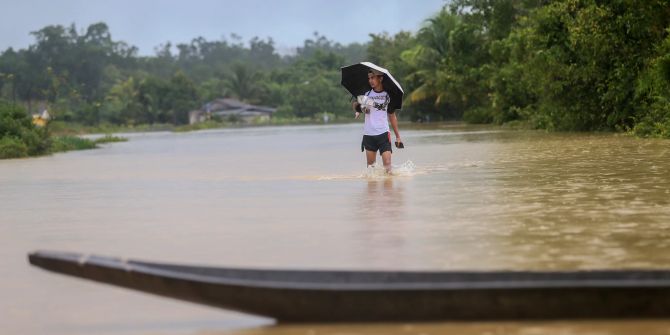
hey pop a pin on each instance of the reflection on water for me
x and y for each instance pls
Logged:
(462, 328)
(301, 197)
(382, 198)
(380, 210)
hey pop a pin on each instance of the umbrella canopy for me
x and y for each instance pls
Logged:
(355, 80)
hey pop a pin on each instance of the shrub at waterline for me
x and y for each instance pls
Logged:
(11, 147)
(18, 136)
(109, 138)
(69, 142)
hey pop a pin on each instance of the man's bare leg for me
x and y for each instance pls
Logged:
(371, 157)
(386, 158)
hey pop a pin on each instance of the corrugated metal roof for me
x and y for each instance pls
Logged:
(228, 106)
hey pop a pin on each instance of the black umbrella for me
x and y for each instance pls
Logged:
(355, 80)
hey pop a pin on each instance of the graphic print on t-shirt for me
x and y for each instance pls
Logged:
(381, 102)
(376, 122)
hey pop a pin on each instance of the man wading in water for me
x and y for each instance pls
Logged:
(376, 134)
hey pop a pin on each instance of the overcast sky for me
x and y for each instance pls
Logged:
(147, 24)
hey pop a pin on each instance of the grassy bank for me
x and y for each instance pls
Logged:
(109, 138)
(65, 128)
(69, 128)
(68, 142)
(14, 148)
(20, 137)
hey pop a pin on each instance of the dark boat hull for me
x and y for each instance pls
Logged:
(369, 296)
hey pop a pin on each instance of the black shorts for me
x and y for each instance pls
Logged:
(381, 143)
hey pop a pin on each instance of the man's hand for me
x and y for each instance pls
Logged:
(398, 143)
(357, 108)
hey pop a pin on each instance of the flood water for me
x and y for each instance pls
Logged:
(301, 198)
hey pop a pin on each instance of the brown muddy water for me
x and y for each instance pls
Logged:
(301, 198)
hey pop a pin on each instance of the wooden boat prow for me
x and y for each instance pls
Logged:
(375, 296)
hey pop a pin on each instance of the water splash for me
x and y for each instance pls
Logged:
(408, 168)
(377, 170)
(405, 169)
(439, 168)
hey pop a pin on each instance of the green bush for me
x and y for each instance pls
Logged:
(110, 139)
(18, 135)
(67, 143)
(478, 115)
(11, 147)
(651, 127)
(284, 111)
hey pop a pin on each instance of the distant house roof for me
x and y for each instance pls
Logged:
(228, 106)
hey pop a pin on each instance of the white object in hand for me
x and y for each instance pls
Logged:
(366, 102)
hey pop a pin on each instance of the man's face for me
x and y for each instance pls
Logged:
(374, 81)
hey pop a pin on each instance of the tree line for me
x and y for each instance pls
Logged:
(584, 65)
(87, 77)
(576, 65)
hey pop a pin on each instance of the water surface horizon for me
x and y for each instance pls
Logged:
(300, 197)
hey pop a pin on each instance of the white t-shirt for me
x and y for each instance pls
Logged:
(377, 121)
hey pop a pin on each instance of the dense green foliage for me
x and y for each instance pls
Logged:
(566, 65)
(90, 79)
(585, 65)
(109, 138)
(68, 143)
(18, 136)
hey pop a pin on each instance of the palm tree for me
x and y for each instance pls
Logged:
(242, 83)
(431, 58)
